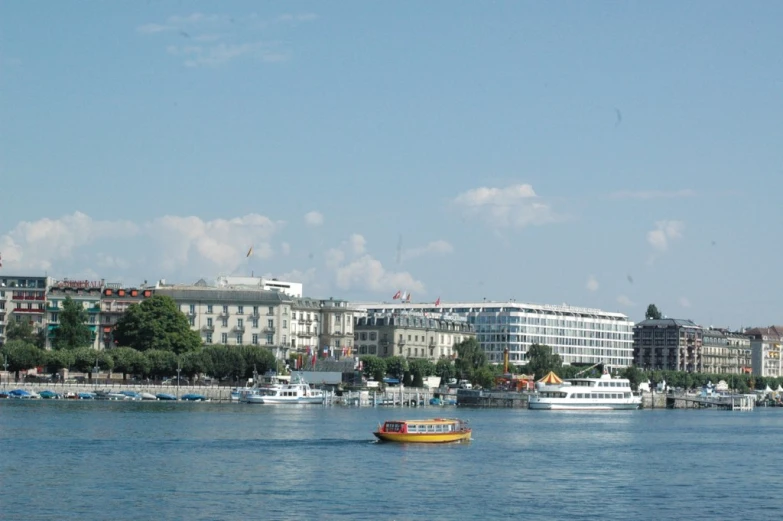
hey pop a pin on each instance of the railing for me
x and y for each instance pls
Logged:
(239, 328)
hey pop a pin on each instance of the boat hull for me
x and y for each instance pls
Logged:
(555, 406)
(402, 437)
(274, 400)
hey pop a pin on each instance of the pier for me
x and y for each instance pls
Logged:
(733, 402)
(500, 399)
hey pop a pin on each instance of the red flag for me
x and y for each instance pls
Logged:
(397, 295)
(314, 359)
(437, 302)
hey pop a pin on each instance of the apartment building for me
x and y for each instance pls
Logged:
(86, 293)
(578, 335)
(22, 297)
(670, 344)
(410, 334)
(765, 344)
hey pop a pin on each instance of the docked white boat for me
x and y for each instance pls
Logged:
(604, 393)
(295, 391)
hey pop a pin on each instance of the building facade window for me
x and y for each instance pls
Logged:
(224, 338)
(209, 308)
(270, 340)
(209, 339)
(239, 339)
(241, 310)
(254, 339)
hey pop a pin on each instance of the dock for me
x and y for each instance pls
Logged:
(496, 399)
(733, 402)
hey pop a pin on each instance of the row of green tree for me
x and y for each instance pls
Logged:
(216, 361)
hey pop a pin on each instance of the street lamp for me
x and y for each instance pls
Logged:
(179, 370)
(95, 373)
(5, 366)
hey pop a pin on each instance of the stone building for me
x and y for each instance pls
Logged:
(410, 334)
(85, 293)
(668, 344)
(765, 344)
(22, 297)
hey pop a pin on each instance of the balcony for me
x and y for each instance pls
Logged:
(223, 314)
(24, 310)
(304, 334)
(269, 329)
(239, 329)
(208, 328)
(432, 342)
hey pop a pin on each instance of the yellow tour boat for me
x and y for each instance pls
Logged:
(437, 430)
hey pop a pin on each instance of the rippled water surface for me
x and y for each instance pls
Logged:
(118, 460)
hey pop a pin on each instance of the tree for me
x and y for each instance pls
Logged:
(56, 360)
(129, 361)
(25, 331)
(86, 358)
(161, 363)
(653, 313)
(445, 369)
(541, 360)
(420, 369)
(226, 362)
(22, 356)
(156, 323)
(373, 367)
(260, 358)
(470, 357)
(195, 362)
(72, 332)
(396, 366)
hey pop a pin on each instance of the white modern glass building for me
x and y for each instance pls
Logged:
(578, 335)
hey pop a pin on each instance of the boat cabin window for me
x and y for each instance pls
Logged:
(392, 427)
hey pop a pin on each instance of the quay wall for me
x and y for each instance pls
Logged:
(481, 398)
(214, 393)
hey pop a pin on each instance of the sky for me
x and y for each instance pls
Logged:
(599, 154)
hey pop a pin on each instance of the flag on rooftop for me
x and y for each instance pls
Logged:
(437, 302)
(397, 295)
(249, 252)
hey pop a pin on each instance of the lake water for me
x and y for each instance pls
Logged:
(78, 460)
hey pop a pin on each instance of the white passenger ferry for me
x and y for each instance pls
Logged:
(295, 391)
(604, 393)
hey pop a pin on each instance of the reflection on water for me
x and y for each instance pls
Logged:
(82, 460)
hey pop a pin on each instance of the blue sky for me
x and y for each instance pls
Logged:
(599, 154)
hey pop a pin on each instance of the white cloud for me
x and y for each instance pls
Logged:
(38, 244)
(301, 17)
(435, 247)
(624, 301)
(664, 232)
(592, 283)
(220, 38)
(285, 248)
(652, 194)
(355, 269)
(109, 261)
(684, 302)
(222, 242)
(515, 206)
(314, 218)
(304, 277)
(367, 273)
(357, 243)
(222, 53)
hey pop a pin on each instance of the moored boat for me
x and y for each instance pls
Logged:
(587, 394)
(296, 391)
(436, 430)
(50, 395)
(166, 397)
(147, 396)
(194, 397)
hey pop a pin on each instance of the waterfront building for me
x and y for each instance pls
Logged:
(410, 334)
(739, 347)
(305, 324)
(234, 315)
(765, 343)
(715, 351)
(22, 297)
(578, 335)
(115, 301)
(669, 344)
(337, 327)
(87, 293)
